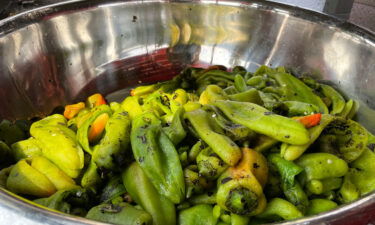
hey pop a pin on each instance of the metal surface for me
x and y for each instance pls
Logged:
(62, 53)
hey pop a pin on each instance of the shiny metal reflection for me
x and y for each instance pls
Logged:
(61, 53)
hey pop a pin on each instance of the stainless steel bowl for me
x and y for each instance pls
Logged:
(61, 53)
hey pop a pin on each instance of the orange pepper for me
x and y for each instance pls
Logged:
(97, 127)
(72, 110)
(95, 100)
(310, 120)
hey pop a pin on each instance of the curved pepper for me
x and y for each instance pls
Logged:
(292, 152)
(25, 149)
(195, 150)
(4, 174)
(144, 193)
(211, 94)
(176, 131)
(210, 165)
(121, 213)
(114, 188)
(280, 208)
(83, 130)
(239, 190)
(194, 182)
(338, 102)
(58, 144)
(67, 201)
(223, 146)
(265, 122)
(24, 179)
(58, 178)
(344, 138)
(10, 132)
(111, 150)
(197, 215)
(320, 205)
(91, 179)
(250, 95)
(295, 90)
(157, 156)
(322, 165)
(132, 106)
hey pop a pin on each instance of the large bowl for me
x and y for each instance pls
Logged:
(62, 53)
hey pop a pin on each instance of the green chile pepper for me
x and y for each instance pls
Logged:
(144, 193)
(52, 131)
(263, 143)
(295, 108)
(239, 220)
(250, 95)
(66, 201)
(157, 156)
(211, 94)
(195, 184)
(206, 198)
(263, 121)
(210, 165)
(365, 161)
(83, 130)
(321, 165)
(338, 102)
(223, 146)
(121, 213)
(114, 188)
(280, 208)
(292, 152)
(24, 179)
(195, 150)
(176, 131)
(25, 149)
(132, 106)
(323, 186)
(320, 205)
(296, 195)
(234, 131)
(111, 150)
(91, 179)
(348, 191)
(197, 215)
(344, 138)
(295, 90)
(363, 180)
(240, 83)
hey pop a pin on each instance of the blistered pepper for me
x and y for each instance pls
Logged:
(344, 138)
(338, 102)
(223, 146)
(176, 131)
(265, 122)
(91, 179)
(195, 184)
(280, 208)
(197, 215)
(72, 201)
(114, 188)
(59, 144)
(120, 213)
(319, 205)
(112, 148)
(210, 165)
(102, 111)
(144, 193)
(239, 191)
(157, 156)
(292, 152)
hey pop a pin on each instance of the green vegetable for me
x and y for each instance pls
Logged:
(209, 164)
(144, 193)
(197, 215)
(26, 149)
(320, 205)
(157, 156)
(279, 208)
(263, 121)
(338, 102)
(121, 213)
(224, 147)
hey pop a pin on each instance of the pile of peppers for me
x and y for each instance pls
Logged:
(211, 146)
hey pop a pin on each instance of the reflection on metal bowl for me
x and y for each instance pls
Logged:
(62, 53)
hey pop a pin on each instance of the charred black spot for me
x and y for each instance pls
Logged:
(143, 139)
(255, 165)
(268, 113)
(225, 180)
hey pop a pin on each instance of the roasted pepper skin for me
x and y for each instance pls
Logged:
(176, 131)
(224, 147)
(112, 149)
(239, 191)
(265, 122)
(281, 208)
(71, 201)
(144, 193)
(121, 213)
(157, 156)
(197, 215)
(114, 188)
(51, 132)
(209, 164)
(25, 149)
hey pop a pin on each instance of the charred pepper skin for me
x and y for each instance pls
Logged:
(157, 156)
